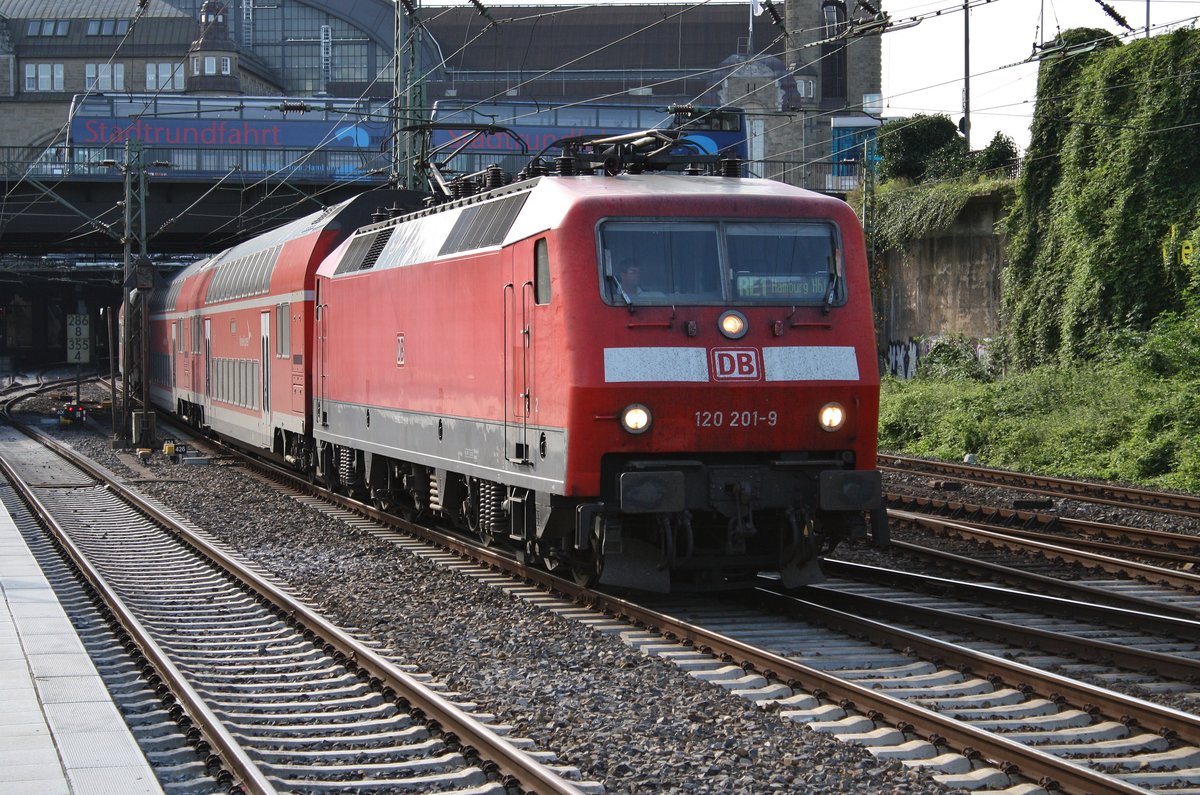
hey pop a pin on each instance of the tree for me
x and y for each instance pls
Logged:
(951, 160)
(906, 146)
(1001, 153)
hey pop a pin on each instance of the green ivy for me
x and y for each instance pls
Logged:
(906, 212)
(1112, 167)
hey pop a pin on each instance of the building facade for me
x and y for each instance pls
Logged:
(809, 91)
(52, 50)
(811, 95)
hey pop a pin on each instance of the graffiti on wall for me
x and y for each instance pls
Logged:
(903, 357)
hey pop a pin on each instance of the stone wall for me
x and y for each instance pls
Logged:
(947, 283)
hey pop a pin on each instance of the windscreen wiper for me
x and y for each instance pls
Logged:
(620, 289)
(831, 293)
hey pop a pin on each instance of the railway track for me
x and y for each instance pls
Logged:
(1186, 505)
(168, 750)
(1001, 699)
(992, 729)
(1034, 624)
(285, 700)
(1059, 550)
(976, 717)
(1179, 550)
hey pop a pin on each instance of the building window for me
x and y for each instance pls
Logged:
(210, 64)
(196, 64)
(48, 27)
(164, 77)
(833, 53)
(105, 77)
(107, 27)
(225, 66)
(43, 77)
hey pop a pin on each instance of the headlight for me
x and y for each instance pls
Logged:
(635, 418)
(831, 416)
(733, 324)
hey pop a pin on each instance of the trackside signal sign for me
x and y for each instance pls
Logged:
(79, 339)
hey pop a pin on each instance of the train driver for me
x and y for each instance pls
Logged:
(630, 275)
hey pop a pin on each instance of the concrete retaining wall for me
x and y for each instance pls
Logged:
(947, 283)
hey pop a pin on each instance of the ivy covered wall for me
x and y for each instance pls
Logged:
(1105, 225)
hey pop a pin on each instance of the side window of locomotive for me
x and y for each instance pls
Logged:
(660, 262)
(779, 262)
(541, 273)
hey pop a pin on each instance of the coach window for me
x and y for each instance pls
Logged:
(541, 273)
(283, 331)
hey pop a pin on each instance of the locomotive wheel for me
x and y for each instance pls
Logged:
(383, 500)
(587, 566)
(549, 557)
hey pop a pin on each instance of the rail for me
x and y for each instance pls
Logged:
(1008, 755)
(518, 766)
(1084, 491)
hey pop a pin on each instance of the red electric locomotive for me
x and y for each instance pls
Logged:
(658, 381)
(654, 380)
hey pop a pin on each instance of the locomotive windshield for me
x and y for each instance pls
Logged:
(679, 262)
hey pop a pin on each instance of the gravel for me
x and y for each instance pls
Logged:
(634, 723)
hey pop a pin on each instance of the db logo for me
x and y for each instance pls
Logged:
(736, 364)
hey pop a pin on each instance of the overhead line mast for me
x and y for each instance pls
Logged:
(408, 93)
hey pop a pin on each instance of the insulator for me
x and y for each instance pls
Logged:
(394, 210)
(380, 214)
(494, 177)
(458, 188)
(692, 170)
(731, 167)
(564, 166)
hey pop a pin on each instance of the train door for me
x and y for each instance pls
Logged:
(208, 361)
(518, 335)
(190, 361)
(171, 354)
(322, 333)
(264, 366)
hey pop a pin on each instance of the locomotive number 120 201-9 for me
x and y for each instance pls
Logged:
(736, 419)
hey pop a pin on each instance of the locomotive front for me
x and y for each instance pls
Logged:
(725, 385)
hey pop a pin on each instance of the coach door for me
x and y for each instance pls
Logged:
(322, 333)
(208, 361)
(518, 336)
(264, 362)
